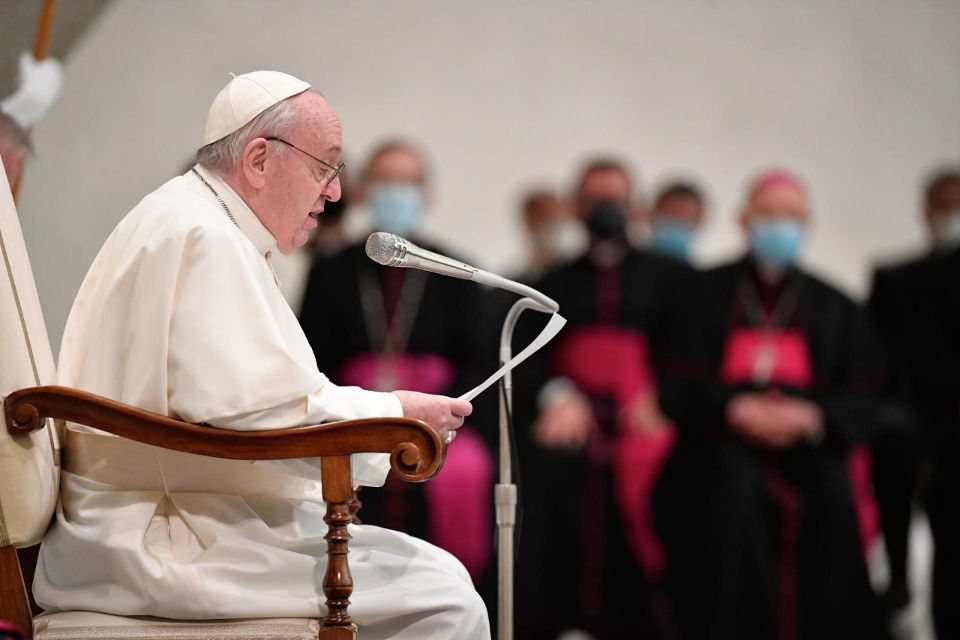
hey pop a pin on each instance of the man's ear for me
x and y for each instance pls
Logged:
(253, 162)
(745, 218)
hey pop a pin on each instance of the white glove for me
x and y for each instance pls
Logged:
(39, 85)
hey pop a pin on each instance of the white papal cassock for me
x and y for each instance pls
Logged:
(181, 314)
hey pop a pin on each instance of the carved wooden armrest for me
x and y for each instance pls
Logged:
(416, 451)
(416, 454)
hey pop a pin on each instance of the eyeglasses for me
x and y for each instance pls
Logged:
(332, 172)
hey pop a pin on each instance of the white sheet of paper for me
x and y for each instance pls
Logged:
(552, 329)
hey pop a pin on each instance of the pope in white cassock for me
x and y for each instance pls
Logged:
(181, 314)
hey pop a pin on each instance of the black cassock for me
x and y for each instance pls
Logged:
(386, 328)
(899, 441)
(582, 548)
(917, 307)
(765, 544)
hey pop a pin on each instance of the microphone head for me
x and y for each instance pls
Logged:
(386, 249)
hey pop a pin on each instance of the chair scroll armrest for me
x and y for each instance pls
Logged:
(416, 451)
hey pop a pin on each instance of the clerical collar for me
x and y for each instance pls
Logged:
(770, 274)
(607, 253)
(241, 214)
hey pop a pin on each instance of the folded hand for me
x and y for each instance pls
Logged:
(566, 422)
(773, 419)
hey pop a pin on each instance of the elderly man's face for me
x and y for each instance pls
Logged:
(400, 164)
(779, 201)
(604, 185)
(296, 189)
(393, 189)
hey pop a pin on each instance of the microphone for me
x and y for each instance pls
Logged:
(393, 251)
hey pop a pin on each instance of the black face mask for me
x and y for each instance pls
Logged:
(606, 220)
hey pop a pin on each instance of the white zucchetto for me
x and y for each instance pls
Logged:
(245, 97)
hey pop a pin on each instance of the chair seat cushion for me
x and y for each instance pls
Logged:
(85, 625)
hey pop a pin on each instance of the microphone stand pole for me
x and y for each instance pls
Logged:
(390, 250)
(505, 496)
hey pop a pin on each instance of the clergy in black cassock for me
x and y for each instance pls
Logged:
(593, 413)
(404, 328)
(916, 307)
(756, 507)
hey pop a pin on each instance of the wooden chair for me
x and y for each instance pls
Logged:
(34, 414)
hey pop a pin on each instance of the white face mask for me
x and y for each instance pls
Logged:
(562, 240)
(946, 230)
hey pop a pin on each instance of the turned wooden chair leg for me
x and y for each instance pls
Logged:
(337, 582)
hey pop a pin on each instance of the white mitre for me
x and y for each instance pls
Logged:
(245, 97)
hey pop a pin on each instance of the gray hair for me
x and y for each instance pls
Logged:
(223, 156)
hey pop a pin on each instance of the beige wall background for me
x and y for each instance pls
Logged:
(860, 96)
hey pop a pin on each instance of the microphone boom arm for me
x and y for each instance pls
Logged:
(540, 301)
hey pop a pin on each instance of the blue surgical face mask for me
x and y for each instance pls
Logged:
(396, 206)
(673, 237)
(776, 242)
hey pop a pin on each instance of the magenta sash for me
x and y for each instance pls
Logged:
(605, 360)
(788, 348)
(423, 372)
